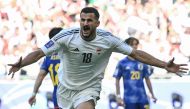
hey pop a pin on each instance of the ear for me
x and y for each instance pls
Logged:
(98, 23)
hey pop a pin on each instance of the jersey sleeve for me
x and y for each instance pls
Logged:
(44, 65)
(120, 46)
(148, 70)
(124, 48)
(56, 43)
(118, 71)
(50, 47)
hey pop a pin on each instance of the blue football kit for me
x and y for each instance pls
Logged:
(51, 65)
(133, 73)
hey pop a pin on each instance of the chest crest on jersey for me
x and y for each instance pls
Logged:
(98, 50)
(140, 66)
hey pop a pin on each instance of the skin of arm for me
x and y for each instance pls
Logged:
(32, 57)
(119, 99)
(117, 84)
(149, 85)
(29, 59)
(39, 80)
(38, 83)
(147, 58)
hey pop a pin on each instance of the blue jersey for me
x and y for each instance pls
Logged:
(51, 65)
(133, 73)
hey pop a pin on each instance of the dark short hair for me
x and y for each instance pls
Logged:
(54, 31)
(91, 10)
(130, 40)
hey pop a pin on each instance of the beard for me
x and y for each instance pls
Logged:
(88, 33)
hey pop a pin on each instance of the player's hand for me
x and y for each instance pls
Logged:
(120, 101)
(32, 100)
(154, 99)
(176, 68)
(15, 67)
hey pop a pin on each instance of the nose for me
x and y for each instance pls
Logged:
(85, 22)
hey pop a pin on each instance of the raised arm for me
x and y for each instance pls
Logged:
(149, 59)
(29, 59)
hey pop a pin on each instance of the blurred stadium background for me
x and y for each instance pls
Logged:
(162, 26)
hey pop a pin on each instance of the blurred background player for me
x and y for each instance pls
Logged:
(133, 73)
(177, 101)
(51, 65)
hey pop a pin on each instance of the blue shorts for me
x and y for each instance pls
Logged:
(137, 106)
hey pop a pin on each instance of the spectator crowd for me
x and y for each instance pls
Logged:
(162, 26)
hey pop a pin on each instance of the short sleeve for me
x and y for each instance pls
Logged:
(44, 65)
(118, 71)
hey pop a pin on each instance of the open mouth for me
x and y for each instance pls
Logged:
(86, 28)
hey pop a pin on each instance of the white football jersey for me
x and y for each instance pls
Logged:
(83, 62)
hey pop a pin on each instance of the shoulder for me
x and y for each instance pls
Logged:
(124, 60)
(45, 61)
(47, 58)
(66, 32)
(104, 33)
(145, 65)
(70, 30)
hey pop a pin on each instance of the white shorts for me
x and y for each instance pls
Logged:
(70, 99)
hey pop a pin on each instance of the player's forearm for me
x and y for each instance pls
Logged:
(32, 58)
(37, 84)
(148, 59)
(117, 87)
(39, 80)
(149, 85)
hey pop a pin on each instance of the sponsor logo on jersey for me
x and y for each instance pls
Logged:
(127, 68)
(76, 49)
(49, 44)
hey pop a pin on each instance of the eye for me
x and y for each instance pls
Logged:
(89, 20)
(82, 20)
